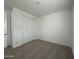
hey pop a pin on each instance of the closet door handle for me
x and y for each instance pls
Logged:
(5, 34)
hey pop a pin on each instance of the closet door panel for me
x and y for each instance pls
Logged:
(22, 28)
(16, 29)
(27, 31)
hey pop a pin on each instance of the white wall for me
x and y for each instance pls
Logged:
(23, 27)
(57, 27)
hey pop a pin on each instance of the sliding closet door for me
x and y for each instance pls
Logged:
(26, 29)
(16, 22)
(21, 28)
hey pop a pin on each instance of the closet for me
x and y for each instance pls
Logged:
(22, 27)
(19, 27)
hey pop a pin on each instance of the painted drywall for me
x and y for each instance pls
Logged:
(23, 26)
(7, 11)
(57, 27)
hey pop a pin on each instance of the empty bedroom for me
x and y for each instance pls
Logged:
(38, 29)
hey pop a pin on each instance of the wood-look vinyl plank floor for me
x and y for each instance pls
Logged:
(39, 49)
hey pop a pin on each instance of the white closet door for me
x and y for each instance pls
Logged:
(21, 28)
(16, 29)
(26, 29)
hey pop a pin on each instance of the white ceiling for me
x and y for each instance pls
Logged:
(39, 7)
